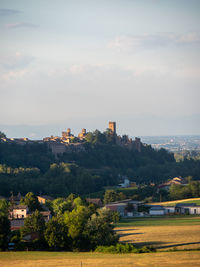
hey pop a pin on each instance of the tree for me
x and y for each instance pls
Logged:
(4, 231)
(99, 230)
(60, 205)
(4, 206)
(2, 135)
(75, 221)
(31, 201)
(111, 196)
(34, 223)
(56, 234)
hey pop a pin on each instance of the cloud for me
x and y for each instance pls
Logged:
(16, 61)
(148, 41)
(8, 12)
(21, 25)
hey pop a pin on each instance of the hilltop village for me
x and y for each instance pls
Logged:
(68, 142)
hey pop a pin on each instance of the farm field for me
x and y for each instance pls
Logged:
(67, 259)
(160, 220)
(163, 233)
(173, 203)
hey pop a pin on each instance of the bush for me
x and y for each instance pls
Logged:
(123, 248)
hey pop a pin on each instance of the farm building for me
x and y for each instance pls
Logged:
(157, 210)
(122, 207)
(189, 208)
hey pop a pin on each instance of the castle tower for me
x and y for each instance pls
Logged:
(68, 131)
(82, 135)
(112, 126)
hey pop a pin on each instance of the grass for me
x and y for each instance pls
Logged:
(160, 220)
(61, 259)
(163, 233)
(162, 237)
(173, 203)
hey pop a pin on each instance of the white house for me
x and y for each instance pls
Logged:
(19, 212)
(157, 210)
(187, 208)
(125, 184)
(169, 209)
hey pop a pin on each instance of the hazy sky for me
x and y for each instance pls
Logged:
(81, 63)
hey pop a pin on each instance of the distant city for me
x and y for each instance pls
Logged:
(173, 143)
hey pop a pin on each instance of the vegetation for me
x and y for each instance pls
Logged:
(75, 226)
(174, 220)
(69, 259)
(32, 167)
(123, 248)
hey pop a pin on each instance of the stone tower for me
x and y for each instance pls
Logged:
(112, 126)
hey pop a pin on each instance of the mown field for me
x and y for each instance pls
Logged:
(67, 259)
(173, 203)
(163, 233)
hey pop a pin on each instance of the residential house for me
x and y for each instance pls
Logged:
(19, 212)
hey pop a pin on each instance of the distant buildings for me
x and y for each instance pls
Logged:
(68, 142)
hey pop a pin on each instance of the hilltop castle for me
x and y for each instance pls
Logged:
(68, 142)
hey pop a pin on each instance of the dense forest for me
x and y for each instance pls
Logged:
(32, 167)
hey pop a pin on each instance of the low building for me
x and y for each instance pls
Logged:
(42, 199)
(169, 209)
(187, 208)
(157, 210)
(46, 215)
(121, 207)
(125, 184)
(19, 212)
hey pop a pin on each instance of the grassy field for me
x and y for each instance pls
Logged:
(160, 220)
(61, 259)
(173, 203)
(163, 233)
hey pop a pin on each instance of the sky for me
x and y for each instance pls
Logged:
(81, 63)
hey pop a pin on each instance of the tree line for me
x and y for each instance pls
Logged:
(32, 167)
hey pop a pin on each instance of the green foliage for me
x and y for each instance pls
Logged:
(123, 248)
(31, 201)
(4, 207)
(56, 234)
(4, 231)
(99, 230)
(34, 223)
(75, 221)
(60, 205)
(184, 191)
(2, 135)
(32, 167)
(112, 196)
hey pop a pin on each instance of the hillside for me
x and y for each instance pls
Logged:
(102, 162)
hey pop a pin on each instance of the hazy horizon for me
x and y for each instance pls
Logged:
(79, 64)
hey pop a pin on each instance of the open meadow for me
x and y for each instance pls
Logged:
(163, 233)
(68, 259)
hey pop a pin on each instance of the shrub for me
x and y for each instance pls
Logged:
(123, 248)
